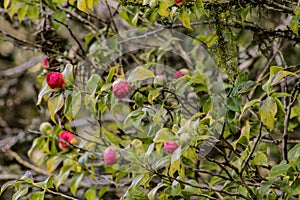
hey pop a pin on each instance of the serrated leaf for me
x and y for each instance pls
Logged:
(140, 73)
(75, 182)
(184, 17)
(268, 111)
(90, 194)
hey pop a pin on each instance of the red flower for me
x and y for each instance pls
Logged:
(121, 89)
(181, 73)
(170, 147)
(46, 63)
(178, 1)
(110, 157)
(55, 80)
(68, 137)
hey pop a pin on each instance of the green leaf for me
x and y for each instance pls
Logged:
(45, 90)
(164, 135)
(68, 74)
(72, 104)
(53, 162)
(140, 73)
(33, 12)
(152, 193)
(23, 191)
(294, 154)
(55, 104)
(250, 104)
(22, 12)
(245, 136)
(280, 75)
(184, 17)
(294, 24)
(6, 185)
(260, 159)
(39, 195)
(75, 182)
(90, 194)
(268, 111)
(190, 190)
(279, 170)
(163, 9)
(63, 174)
(175, 161)
(111, 74)
(234, 103)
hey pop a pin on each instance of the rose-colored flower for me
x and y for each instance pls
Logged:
(180, 73)
(178, 1)
(110, 157)
(55, 80)
(121, 89)
(170, 147)
(68, 137)
(46, 63)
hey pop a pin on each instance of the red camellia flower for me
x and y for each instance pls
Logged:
(68, 137)
(170, 147)
(120, 89)
(181, 73)
(110, 157)
(55, 80)
(178, 1)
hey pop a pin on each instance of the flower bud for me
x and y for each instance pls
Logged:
(170, 147)
(110, 157)
(45, 128)
(181, 73)
(46, 63)
(120, 89)
(55, 80)
(68, 137)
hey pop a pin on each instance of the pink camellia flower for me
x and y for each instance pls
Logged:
(110, 157)
(46, 63)
(55, 80)
(120, 89)
(68, 137)
(181, 73)
(170, 147)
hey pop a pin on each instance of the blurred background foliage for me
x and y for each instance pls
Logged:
(244, 37)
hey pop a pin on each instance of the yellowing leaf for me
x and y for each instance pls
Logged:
(81, 5)
(268, 111)
(185, 18)
(140, 73)
(6, 3)
(89, 4)
(54, 105)
(163, 9)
